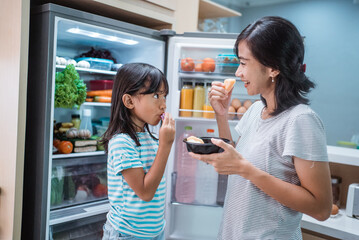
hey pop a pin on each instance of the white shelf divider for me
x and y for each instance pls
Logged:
(89, 70)
(73, 155)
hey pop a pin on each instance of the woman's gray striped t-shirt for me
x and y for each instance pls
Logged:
(269, 144)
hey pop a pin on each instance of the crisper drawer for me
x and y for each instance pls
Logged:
(78, 180)
(90, 228)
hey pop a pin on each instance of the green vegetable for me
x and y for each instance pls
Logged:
(70, 90)
(57, 184)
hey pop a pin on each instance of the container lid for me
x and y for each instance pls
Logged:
(187, 83)
(336, 179)
(75, 116)
(87, 112)
(210, 130)
(199, 84)
(187, 128)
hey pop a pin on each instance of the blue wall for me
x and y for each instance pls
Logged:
(331, 30)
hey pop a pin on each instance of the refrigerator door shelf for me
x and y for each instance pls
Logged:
(78, 212)
(210, 76)
(74, 155)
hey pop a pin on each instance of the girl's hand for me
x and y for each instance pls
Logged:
(230, 161)
(167, 130)
(219, 98)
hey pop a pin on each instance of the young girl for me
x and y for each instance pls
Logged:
(136, 159)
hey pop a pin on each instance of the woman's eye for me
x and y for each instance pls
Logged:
(242, 63)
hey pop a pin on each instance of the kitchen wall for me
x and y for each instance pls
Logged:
(331, 30)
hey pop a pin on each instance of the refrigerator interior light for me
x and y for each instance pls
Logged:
(102, 36)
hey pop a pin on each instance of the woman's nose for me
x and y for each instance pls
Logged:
(238, 72)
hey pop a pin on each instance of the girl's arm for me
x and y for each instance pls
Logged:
(145, 185)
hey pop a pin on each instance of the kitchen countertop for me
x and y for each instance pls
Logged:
(341, 226)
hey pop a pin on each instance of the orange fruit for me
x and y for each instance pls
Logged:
(229, 83)
(65, 147)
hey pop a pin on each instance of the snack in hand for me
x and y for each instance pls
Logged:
(194, 139)
(229, 83)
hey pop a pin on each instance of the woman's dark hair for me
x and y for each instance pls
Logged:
(276, 43)
(130, 79)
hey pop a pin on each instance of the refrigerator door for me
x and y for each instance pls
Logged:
(198, 215)
(59, 188)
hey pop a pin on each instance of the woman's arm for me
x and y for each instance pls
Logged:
(313, 197)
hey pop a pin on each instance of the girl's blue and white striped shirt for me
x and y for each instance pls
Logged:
(129, 214)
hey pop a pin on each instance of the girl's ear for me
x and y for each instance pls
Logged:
(128, 101)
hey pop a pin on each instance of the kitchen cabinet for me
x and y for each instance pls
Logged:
(178, 15)
(344, 162)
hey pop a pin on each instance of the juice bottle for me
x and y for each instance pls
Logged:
(186, 99)
(206, 181)
(207, 106)
(198, 99)
(186, 170)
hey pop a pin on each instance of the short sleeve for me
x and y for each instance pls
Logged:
(124, 154)
(306, 139)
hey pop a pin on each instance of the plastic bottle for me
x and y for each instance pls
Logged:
(207, 105)
(186, 99)
(186, 170)
(206, 181)
(86, 122)
(75, 119)
(198, 99)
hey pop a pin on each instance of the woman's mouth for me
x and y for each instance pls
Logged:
(246, 83)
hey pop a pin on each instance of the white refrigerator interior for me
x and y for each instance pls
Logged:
(192, 217)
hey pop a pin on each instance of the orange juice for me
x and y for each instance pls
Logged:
(208, 114)
(186, 99)
(198, 101)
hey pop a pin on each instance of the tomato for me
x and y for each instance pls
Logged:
(208, 65)
(187, 64)
(56, 143)
(198, 67)
(99, 190)
(65, 147)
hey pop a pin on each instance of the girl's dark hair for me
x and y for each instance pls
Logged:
(276, 43)
(130, 79)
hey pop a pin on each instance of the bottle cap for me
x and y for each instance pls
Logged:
(187, 128)
(210, 130)
(336, 180)
(187, 83)
(87, 112)
(199, 84)
(75, 116)
(209, 84)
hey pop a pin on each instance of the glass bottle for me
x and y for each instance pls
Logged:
(86, 122)
(186, 170)
(206, 181)
(207, 105)
(186, 99)
(198, 99)
(336, 181)
(75, 119)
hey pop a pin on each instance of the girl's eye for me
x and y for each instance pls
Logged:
(156, 96)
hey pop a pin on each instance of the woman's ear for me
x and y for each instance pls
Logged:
(274, 73)
(128, 101)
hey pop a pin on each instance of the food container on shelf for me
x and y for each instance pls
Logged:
(227, 63)
(100, 85)
(97, 63)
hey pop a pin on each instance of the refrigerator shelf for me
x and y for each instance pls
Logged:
(204, 120)
(73, 155)
(194, 204)
(212, 76)
(89, 70)
(96, 104)
(78, 212)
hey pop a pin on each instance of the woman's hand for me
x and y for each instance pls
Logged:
(230, 161)
(167, 130)
(219, 98)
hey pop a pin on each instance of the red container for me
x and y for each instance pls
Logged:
(100, 85)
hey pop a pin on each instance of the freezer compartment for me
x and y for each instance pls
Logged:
(78, 180)
(90, 228)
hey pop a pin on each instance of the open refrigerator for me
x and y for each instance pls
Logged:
(62, 194)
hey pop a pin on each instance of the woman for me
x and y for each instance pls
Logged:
(279, 168)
